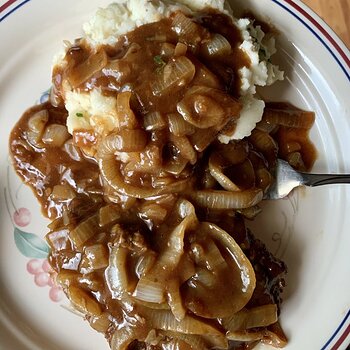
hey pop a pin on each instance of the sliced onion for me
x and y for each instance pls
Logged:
(186, 268)
(176, 74)
(214, 199)
(72, 150)
(154, 281)
(204, 77)
(202, 138)
(165, 320)
(201, 111)
(202, 105)
(123, 141)
(269, 337)
(126, 117)
(266, 144)
(62, 193)
(180, 49)
(153, 212)
(154, 121)
(185, 148)
(293, 118)
(124, 336)
(109, 214)
(185, 28)
(95, 258)
(174, 299)
(88, 68)
(145, 262)
(150, 290)
(176, 166)
(178, 126)
(218, 45)
(234, 153)
(250, 213)
(101, 323)
(110, 171)
(205, 277)
(38, 121)
(83, 301)
(84, 231)
(195, 341)
(116, 274)
(216, 172)
(214, 260)
(55, 135)
(260, 316)
(240, 284)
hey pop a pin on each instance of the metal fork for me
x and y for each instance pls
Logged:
(287, 178)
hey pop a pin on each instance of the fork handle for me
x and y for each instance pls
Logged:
(324, 179)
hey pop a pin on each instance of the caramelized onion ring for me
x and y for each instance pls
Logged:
(214, 199)
(110, 171)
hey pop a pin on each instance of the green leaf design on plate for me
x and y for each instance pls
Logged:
(31, 245)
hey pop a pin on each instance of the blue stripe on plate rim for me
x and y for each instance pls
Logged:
(307, 23)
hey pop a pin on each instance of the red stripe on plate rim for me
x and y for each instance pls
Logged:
(321, 29)
(341, 53)
(6, 5)
(341, 339)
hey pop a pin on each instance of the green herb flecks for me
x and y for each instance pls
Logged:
(158, 60)
(79, 115)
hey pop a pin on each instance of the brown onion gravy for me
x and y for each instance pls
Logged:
(68, 183)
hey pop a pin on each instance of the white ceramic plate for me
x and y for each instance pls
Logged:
(310, 230)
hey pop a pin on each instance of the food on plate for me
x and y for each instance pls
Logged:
(152, 151)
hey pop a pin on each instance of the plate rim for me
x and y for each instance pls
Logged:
(335, 47)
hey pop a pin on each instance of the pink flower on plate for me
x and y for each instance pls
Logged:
(22, 217)
(56, 294)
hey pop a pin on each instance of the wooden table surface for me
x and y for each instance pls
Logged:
(336, 13)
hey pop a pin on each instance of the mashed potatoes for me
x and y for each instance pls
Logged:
(97, 111)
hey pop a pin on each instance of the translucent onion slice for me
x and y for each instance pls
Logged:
(185, 148)
(38, 121)
(83, 301)
(218, 45)
(116, 274)
(175, 166)
(84, 231)
(150, 290)
(293, 118)
(110, 172)
(100, 323)
(266, 144)
(201, 111)
(88, 68)
(124, 336)
(215, 168)
(185, 28)
(126, 117)
(205, 107)
(215, 199)
(153, 283)
(55, 135)
(238, 278)
(176, 74)
(202, 138)
(165, 320)
(174, 299)
(122, 141)
(275, 338)
(154, 121)
(178, 126)
(260, 316)
(195, 341)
